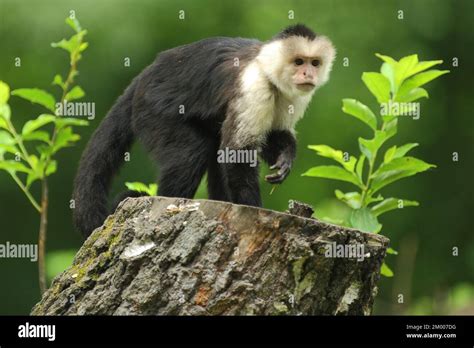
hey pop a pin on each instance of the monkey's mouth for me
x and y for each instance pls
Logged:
(307, 86)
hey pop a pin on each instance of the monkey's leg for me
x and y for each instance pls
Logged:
(243, 183)
(279, 152)
(216, 185)
(182, 155)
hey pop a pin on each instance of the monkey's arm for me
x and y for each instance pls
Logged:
(279, 152)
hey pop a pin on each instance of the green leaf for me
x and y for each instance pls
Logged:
(389, 154)
(363, 219)
(69, 121)
(6, 138)
(37, 172)
(14, 166)
(73, 45)
(75, 93)
(137, 186)
(333, 172)
(388, 70)
(40, 169)
(58, 80)
(360, 111)
(419, 80)
(44, 150)
(391, 204)
(5, 112)
(31, 178)
(40, 121)
(64, 137)
(386, 59)
(83, 46)
(4, 92)
(390, 128)
(153, 189)
(421, 66)
(404, 68)
(386, 271)
(36, 164)
(392, 251)
(404, 149)
(150, 190)
(38, 135)
(3, 123)
(352, 199)
(74, 24)
(36, 95)
(8, 148)
(370, 199)
(378, 85)
(7, 144)
(397, 169)
(369, 147)
(51, 168)
(412, 95)
(337, 155)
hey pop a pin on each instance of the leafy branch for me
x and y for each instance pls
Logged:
(399, 83)
(41, 164)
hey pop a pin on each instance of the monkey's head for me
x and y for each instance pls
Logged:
(297, 61)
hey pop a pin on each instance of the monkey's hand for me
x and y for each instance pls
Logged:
(283, 164)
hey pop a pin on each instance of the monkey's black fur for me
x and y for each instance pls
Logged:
(296, 30)
(201, 78)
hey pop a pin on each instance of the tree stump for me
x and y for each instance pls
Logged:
(172, 256)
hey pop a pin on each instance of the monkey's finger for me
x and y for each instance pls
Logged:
(274, 178)
(285, 169)
(279, 176)
(275, 166)
(280, 164)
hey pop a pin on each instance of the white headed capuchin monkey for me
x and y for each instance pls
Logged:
(194, 100)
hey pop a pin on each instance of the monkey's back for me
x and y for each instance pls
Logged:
(195, 80)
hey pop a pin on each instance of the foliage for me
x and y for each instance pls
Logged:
(398, 83)
(150, 190)
(16, 157)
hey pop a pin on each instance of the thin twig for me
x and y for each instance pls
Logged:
(42, 236)
(26, 192)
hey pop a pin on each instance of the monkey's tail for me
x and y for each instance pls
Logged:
(102, 158)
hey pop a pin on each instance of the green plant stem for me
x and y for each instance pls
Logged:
(69, 79)
(42, 236)
(44, 195)
(26, 192)
(371, 169)
(24, 152)
(367, 184)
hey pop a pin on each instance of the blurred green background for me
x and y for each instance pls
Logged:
(430, 278)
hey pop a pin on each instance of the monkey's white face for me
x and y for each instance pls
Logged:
(305, 72)
(297, 66)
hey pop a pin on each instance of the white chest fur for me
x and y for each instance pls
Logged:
(289, 111)
(260, 108)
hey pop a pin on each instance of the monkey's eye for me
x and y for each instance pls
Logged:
(299, 61)
(316, 62)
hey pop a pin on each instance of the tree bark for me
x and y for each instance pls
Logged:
(170, 256)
